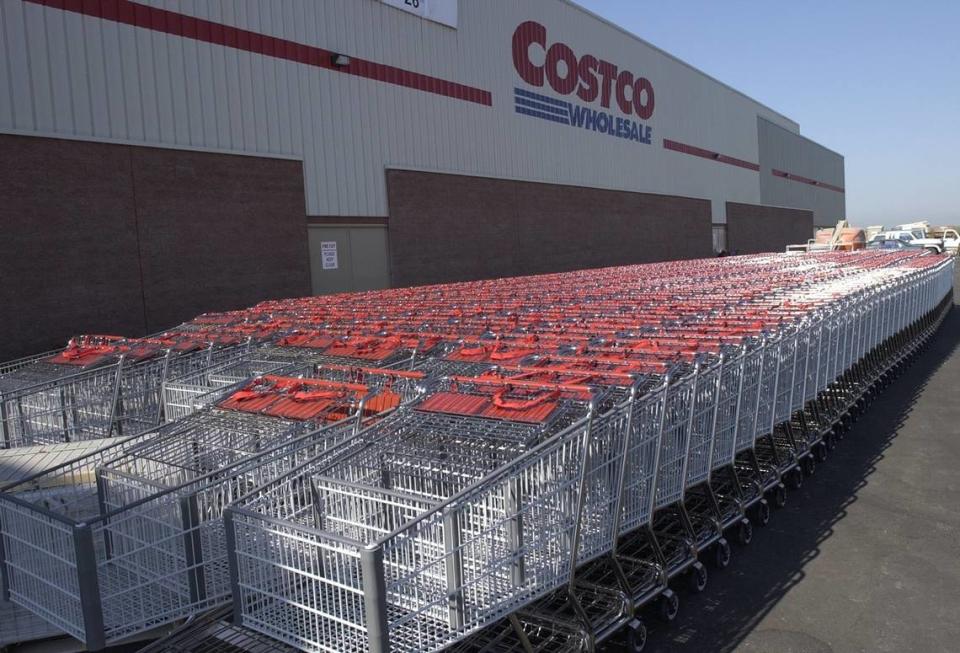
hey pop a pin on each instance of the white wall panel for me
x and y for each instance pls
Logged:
(36, 74)
(79, 69)
(786, 151)
(113, 82)
(76, 75)
(6, 85)
(96, 78)
(19, 114)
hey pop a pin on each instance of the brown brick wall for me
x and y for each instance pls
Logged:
(754, 228)
(452, 228)
(100, 238)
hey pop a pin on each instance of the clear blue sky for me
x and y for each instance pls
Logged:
(876, 80)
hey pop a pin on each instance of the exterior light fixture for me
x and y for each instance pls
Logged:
(340, 60)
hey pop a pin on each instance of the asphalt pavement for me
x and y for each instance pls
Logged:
(866, 555)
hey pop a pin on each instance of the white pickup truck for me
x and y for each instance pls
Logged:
(914, 237)
(951, 239)
(946, 238)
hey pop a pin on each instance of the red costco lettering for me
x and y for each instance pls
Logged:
(624, 81)
(562, 84)
(528, 34)
(608, 71)
(589, 76)
(643, 98)
(586, 70)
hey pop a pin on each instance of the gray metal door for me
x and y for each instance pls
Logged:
(348, 258)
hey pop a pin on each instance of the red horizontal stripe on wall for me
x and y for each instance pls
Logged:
(707, 154)
(806, 180)
(169, 22)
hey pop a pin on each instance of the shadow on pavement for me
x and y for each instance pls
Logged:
(738, 598)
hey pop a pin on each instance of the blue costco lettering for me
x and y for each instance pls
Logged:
(535, 105)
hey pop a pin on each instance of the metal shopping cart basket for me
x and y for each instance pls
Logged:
(98, 386)
(129, 538)
(454, 512)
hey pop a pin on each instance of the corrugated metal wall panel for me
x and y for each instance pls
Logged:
(113, 82)
(35, 75)
(785, 151)
(96, 78)
(76, 75)
(6, 85)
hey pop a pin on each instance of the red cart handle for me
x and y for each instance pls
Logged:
(312, 395)
(471, 352)
(500, 400)
(511, 354)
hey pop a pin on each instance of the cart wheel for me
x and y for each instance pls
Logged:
(796, 479)
(820, 451)
(762, 513)
(698, 578)
(779, 496)
(636, 636)
(669, 605)
(721, 554)
(809, 465)
(830, 439)
(745, 532)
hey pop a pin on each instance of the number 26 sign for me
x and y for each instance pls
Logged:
(440, 11)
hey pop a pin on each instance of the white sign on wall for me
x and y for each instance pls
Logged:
(440, 11)
(328, 255)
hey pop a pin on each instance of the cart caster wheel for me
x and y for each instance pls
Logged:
(669, 605)
(697, 578)
(779, 496)
(830, 439)
(796, 479)
(820, 452)
(721, 554)
(636, 636)
(762, 513)
(745, 531)
(809, 465)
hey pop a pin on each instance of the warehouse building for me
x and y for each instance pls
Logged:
(163, 158)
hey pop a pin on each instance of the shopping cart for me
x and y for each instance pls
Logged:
(468, 496)
(130, 537)
(601, 431)
(187, 394)
(98, 386)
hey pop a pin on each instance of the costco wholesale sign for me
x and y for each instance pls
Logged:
(589, 77)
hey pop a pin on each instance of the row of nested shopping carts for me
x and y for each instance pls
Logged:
(516, 464)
